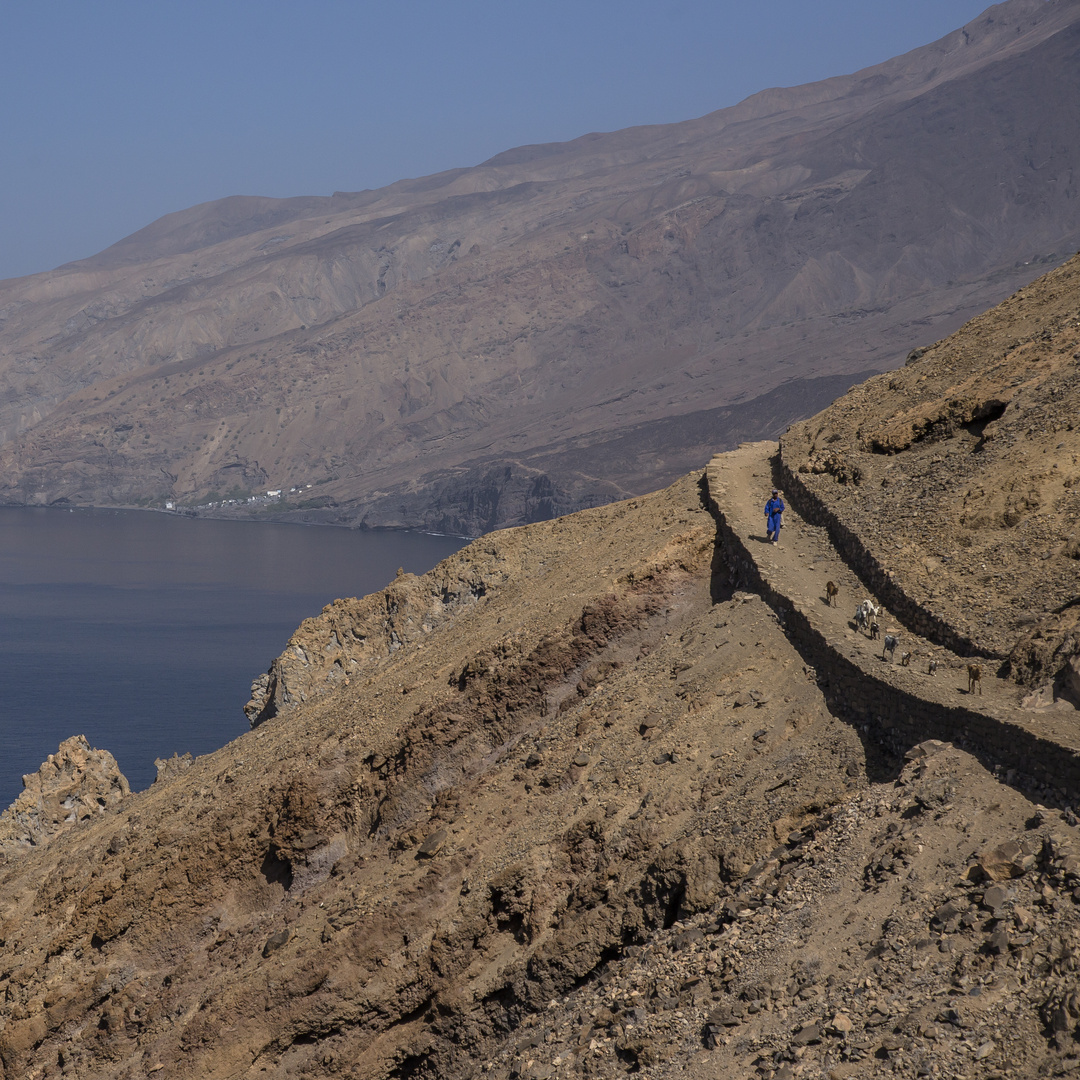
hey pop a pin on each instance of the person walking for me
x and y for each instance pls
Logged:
(774, 510)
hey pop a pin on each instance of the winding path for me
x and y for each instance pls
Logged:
(903, 700)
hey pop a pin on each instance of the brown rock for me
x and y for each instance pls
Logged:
(810, 1033)
(433, 844)
(995, 897)
(841, 1024)
(74, 785)
(1008, 860)
(167, 768)
(275, 942)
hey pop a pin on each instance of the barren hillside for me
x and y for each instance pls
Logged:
(620, 792)
(561, 325)
(959, 475)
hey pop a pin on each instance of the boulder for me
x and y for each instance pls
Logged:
(167, 768)
(1008, 860)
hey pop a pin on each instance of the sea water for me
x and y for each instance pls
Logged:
(143, 631)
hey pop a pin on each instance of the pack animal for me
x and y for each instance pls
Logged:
(974, 678)
(931, 668)
(905, 659)
(865, 614)
(891, 641)
(831, 592)
(875, 630)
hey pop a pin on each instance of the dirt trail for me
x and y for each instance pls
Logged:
(798, 568)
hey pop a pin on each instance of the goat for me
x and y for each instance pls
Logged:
(865, 614)
(875, 630)
(891, 641)
(931, 668)
(831, 591)
(974, 677)
(905, 659)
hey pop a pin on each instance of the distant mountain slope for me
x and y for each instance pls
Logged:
(471, 349)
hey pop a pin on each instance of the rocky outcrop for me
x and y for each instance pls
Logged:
(350, 636)
(73, 786)
(1048, 658)
(167, 768)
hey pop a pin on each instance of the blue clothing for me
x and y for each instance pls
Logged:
(774, 510)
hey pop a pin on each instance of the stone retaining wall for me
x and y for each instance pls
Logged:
(916, 618)
(897, 719)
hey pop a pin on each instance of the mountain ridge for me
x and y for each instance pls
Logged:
(497, 306)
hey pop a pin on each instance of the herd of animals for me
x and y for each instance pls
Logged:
(866, 621)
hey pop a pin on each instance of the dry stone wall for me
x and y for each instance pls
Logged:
(878, 579)
(895, 718)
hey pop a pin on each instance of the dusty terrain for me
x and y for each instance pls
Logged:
(623, 792)
(562, 325)
(960, 476)
(613, 793)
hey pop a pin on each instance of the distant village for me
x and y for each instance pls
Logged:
(270, 496)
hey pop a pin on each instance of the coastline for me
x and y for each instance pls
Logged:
(144, 634)
(273, 518)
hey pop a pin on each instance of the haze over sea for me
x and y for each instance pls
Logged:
(143, 631)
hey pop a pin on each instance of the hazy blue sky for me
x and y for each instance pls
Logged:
(115, 112)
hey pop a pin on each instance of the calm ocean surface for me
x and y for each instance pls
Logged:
(143, 631)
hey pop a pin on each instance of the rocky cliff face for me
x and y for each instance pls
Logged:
(560, 326)
(73, 786)
(352, 636)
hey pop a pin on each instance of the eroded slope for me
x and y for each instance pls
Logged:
(596, 820)
(549, 744)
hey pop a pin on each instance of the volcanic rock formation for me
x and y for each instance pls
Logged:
(74, 785)
(562, 325)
